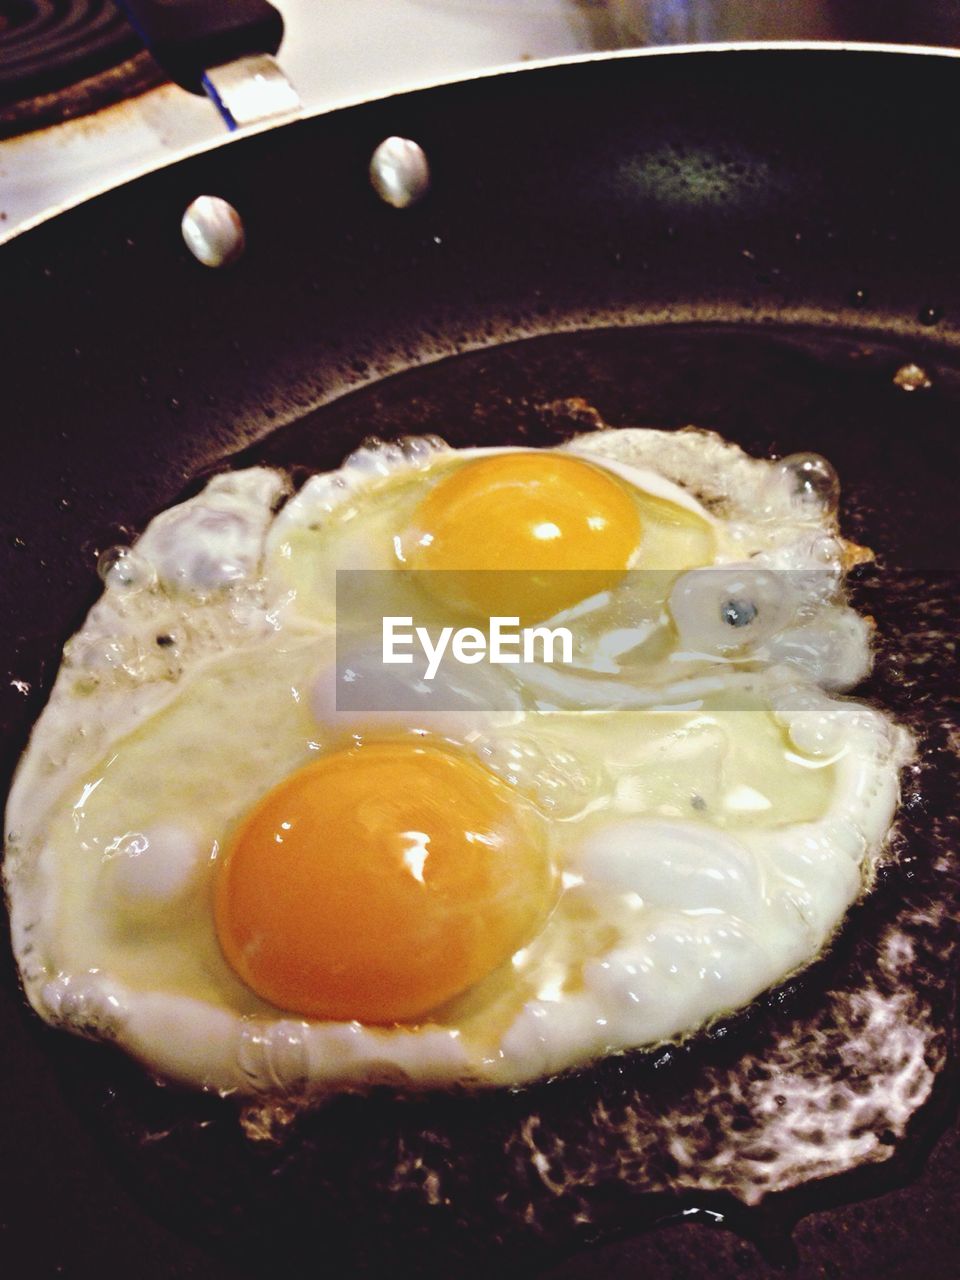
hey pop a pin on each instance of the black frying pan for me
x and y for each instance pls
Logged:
(754, 241)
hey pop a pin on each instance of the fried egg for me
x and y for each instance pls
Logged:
(247, 852)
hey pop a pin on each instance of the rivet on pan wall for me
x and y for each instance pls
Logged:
(399, 172)
(213, 231)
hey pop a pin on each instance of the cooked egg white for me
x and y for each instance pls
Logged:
(675, 822)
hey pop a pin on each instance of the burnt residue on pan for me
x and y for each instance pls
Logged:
(828, 1089)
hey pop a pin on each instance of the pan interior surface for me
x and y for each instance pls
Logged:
(724, 247)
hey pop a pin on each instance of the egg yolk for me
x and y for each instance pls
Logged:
(567, 527)
(379, 882)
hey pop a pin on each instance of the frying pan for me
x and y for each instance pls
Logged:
(758, 241)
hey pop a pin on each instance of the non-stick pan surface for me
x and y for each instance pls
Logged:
(752, 241)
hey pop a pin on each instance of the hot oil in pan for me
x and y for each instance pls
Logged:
(845, 1068)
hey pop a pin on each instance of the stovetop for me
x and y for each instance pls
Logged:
(83, 106)
(69, 126)
(63, 58)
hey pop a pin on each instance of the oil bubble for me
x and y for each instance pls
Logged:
(125, 568)
(814, 483)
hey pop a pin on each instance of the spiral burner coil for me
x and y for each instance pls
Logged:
(63, 58)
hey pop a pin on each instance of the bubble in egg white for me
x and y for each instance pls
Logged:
(149, 874)
(833, 649)
(101, 652)
(217, 539)
(679, 865)
(125, 568)
(730, 608)
(558, 781)
(813, 481)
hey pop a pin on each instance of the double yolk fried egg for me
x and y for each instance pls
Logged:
(245, 849)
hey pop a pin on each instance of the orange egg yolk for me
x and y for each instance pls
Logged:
(379, 882)
(567, 529)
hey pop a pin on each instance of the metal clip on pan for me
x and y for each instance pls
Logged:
(222, 49)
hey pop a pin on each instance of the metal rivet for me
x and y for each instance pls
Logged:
(400, 172)
(213, 232)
